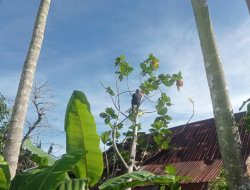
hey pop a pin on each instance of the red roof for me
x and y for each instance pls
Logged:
(197, 151)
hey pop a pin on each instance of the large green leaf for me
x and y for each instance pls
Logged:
(39, 152)
(41, 161)
(159, 179)
(18, 181)
(75, 184)
(123, 178)
(3, 181)
(4, 174)
(51, 177)
(21, 180)
(81, 134)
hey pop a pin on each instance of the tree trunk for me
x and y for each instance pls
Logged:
(227, 131)
(248, 5)
(132, 155)
(15, 131)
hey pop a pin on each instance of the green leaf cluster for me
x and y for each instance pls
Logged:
(147, 65)
(219, 183)
(4, 113)
(110, 91)
(124, 67)
(108, 115)
(153, 83)
(105, 137)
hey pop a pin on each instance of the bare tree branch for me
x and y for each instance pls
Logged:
(41, 98)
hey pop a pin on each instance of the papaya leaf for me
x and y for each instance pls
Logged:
(4, 174)
(39, 152)
(51, 177)
(81, 134)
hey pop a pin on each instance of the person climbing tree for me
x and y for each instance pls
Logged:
(136, 100)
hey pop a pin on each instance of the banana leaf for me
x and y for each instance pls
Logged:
(124, 178)
(20, 180)
(121, 183)
(39, 152)
(139, 178)
(3, 181)
(41, 161)
(51, 177)
(75, 184)
(4, 174)
(81, 134)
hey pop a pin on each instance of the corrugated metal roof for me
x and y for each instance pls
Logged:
(197, 151)
(193, 186)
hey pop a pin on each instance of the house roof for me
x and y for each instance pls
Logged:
(197, 151)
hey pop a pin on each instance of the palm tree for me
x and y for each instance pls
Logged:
(15, 131)
(227, 131)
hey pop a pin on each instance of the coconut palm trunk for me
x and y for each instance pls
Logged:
(227, 131)
(248, 5)
(15, 128)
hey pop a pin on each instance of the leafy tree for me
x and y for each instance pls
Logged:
(12, 145)
(227, 131)
(219, 183)
(5, 113)
(149, 85)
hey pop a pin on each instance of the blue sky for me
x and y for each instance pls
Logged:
(82, 38)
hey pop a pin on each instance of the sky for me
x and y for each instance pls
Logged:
(82, 38)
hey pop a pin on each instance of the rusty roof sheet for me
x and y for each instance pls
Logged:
(193, 186)
(197, 151)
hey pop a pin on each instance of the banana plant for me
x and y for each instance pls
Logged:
(52, 174)
(144, 177)
(42, 177)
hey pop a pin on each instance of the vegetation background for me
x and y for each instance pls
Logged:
(83, 37)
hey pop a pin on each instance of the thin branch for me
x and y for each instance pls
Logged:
(128, 87)
(115, 147)
(149, 100)
(114, 101)
(144, 152)
(151, 111)
(184, 126)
